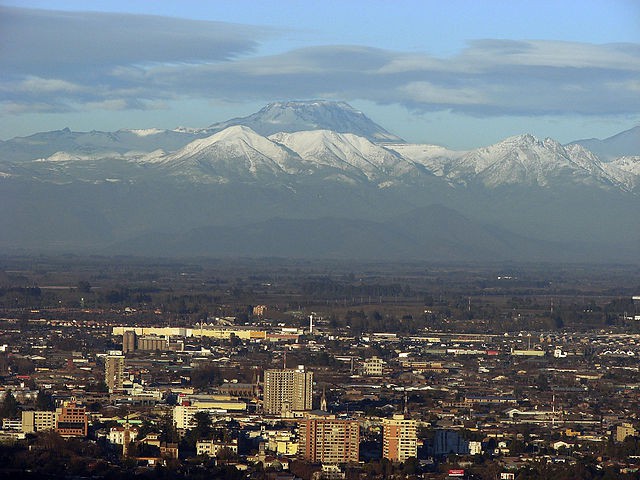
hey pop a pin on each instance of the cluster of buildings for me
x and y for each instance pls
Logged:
(356, 399)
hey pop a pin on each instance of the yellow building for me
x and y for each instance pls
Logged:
(625, 430)
(399, 438)
(37, 421)
(203, 331)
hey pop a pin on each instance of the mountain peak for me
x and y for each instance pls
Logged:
(309, 104)
(303, 115)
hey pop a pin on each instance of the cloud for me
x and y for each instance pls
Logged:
(43, 42)
(47, 85)
(60, 60)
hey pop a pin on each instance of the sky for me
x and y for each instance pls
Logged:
(456, 73)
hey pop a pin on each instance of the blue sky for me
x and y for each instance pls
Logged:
(455, 73)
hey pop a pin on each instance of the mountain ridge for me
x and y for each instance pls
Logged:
(316, 193)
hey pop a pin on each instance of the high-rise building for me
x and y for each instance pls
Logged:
(287, 390)
(399, 438)
(72, 421)
(329, 440)
(114, 372)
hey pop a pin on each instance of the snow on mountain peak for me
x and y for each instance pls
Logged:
(521, 159)
(345, 151)
(295, 116)
(145, 132)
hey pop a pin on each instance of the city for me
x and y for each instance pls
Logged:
(281, 370)
(319, 240)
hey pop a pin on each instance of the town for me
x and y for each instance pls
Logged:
(274, 369)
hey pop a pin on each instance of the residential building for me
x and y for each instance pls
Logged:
(114, 372)
(399, 438)
(259, 310)
(11, 424)
(287, 390)
(183, 414)
(372, 367)
(212, 448)
(329, 440)
(37, 421)
(169, 450)
(282, 443)
(625, 430)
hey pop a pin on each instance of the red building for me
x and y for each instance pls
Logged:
(72, 421)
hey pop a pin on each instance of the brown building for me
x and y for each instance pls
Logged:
(329, 440)
(72, 421)
(114, 372)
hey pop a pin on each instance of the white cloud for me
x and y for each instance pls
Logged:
(40, 85)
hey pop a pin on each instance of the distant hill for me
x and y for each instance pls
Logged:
(623, 144)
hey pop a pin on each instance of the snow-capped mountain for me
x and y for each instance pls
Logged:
(626, 171)
(239, 154)
(232, 154)
(520, 160)
(347, 153)
(92, 144)
(90, 190)
(310, 115)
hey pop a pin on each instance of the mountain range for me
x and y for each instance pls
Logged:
(318, 179)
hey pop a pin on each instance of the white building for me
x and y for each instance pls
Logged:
(211, 448)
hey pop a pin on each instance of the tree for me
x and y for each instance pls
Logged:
(168, 430)
(44, 401)
(203, 426)
(9, 407)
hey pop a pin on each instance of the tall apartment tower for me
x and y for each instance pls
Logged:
(329, 440)
(287, 389)
(114, 372)
(399, 438)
